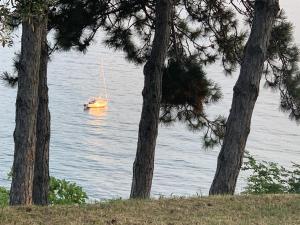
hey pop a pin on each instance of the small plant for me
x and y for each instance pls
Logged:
(62, 192)
(4, 197)
(271, 178)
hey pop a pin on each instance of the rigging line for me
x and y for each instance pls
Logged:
(103, 78)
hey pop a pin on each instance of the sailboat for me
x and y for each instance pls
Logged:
(98, 102)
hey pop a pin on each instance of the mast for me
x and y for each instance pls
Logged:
(103, 78)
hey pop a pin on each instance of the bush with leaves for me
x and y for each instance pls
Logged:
(271, 178)
(61, 192)
(4, 196)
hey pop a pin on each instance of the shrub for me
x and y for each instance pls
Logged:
(271, 178)
(61, 192)
(4, 196)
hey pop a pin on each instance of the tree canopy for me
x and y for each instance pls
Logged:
(203, 32)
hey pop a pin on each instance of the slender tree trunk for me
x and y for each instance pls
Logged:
(144, 162)
(41, 168)
(26, 112)
(245, 95)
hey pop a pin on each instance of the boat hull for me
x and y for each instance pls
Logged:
(97, 103)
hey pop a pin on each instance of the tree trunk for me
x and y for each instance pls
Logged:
(41, 167)
(144, 162)
(26, 112)
(245, 95)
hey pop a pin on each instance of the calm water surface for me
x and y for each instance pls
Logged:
(97, 149)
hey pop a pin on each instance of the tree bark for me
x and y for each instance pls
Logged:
(148, 129)
(41, 167)
(26, 112)
(245, 95)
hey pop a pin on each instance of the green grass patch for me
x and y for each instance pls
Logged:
(231, 210)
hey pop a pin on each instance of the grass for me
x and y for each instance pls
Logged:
(231, 210)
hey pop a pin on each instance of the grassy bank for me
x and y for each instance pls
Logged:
(241, 210)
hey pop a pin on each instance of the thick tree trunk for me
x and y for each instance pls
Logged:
(245, 95)
(144, 162)
(26, 113)
(41, 167)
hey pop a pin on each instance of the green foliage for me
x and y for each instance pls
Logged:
(62, 192)
(204, 30)
(29, 8)
(219, 25)
(185, 83)
(185, 93)
(281, 69)
(4, 197)
(76, 22)
(9, 80)
(5, 30)
(271, 178)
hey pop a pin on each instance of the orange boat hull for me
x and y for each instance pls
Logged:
(97, 103)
